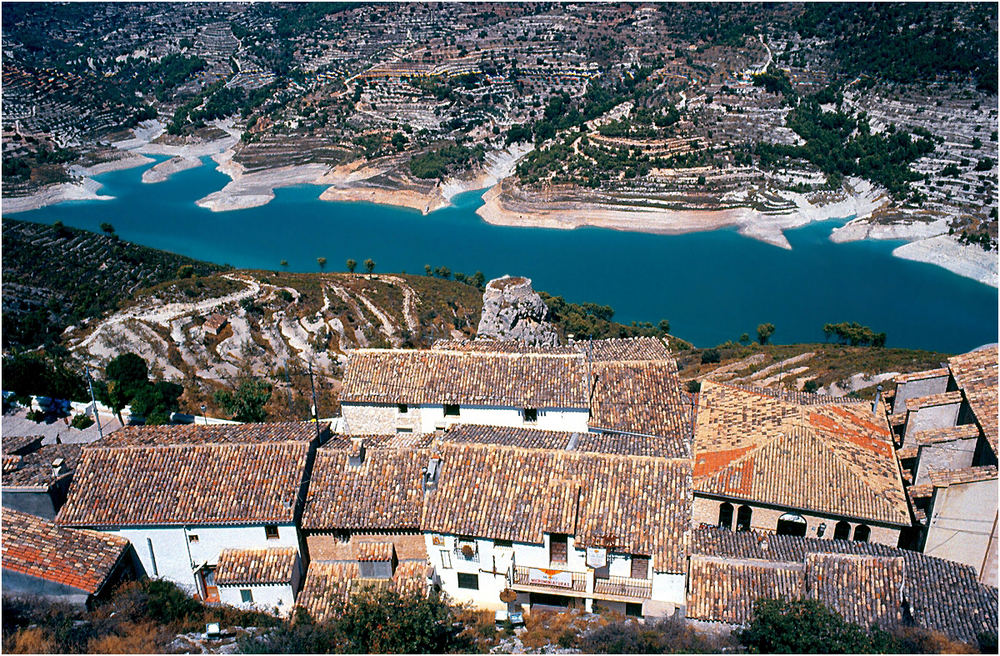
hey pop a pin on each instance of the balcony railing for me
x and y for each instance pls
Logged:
(549, 580)
(623, 586)
(472, 558)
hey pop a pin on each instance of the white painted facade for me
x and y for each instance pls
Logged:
(176, 552)
(277, 598)
(385, 418)
(493, 566)
(962, 526)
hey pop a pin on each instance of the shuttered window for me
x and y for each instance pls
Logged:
(640, 567)
(557, 548)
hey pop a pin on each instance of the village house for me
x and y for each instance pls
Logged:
(866, 583)
(214, 324)
(36, 478)
(182, 495)
(261, 579)
(948, 417)
(796, 464)
(406, 391)
(509, 527)
(362, 519)
(67, 565)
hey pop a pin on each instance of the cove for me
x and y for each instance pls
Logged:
(712, 286)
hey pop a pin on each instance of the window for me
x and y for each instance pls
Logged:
(640, 567)
(726, 516)
(403, 408)
(451, 410)
(557, 548)
(468, 581)
(791, 524)
(531, 415)
(271, 532)
(246, 596)
(503, 543)
(152, 556)
(743, 517)
(403, 430)
(633, 610)
(445, 559)
(862, 533)
(192, 538)
(842, 531)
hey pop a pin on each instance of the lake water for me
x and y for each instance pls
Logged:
(712, 286)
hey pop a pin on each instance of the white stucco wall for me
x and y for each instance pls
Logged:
(963, 520)
(556, 419)
(277, 599)
(177, 557)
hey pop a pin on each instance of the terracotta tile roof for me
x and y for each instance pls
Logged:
(256, 566)
(976, 375)
(921, 375)
(328, 584)
(946, 477)
(627, 444)
(942, 595)
(506, 379)
(149, 481)
(944, 398)
(18, 445)
(908, 452)
(34, 469)
(77, 558)
(500, 346)
(721, 590)
(643, 398)
(920, 491)
(148, 436)
(215, 322)
(528, 438)
(640, 505)
(946, 434)
(625, 349)
(863, 589)
(831, 457)
(385, 492)
(371, 550)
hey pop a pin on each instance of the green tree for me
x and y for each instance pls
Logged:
(806, 626)
(125, 376)
(321, 261)
(155, 402)
(185, 271)
(284, 264)
(664, 326)
(764, 332)
(107, 228)
(744, 339)
(352, 265)
(369, 265)
(247, 401)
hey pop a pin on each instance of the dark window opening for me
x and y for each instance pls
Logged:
(192, 538)
(271, 532)
(503, 543)
(633, 610)
(468, 581)
(246, 596)
(531, 414)
(791, 524)
(640, 567)
(862, 533)
(451, 410)
(842, 531)
(403, 408)
(743, 517)
(403, 430)
(557, 548)
(726, 516)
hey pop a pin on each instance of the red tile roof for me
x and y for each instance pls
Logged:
(191, 434)
(149, 480)
(329, 584)
(946, 477)
(256, 566)
(976, 375)
(76, 558)
(34, 469)
(815, 454)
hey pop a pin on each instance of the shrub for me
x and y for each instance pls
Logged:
(36, 416)
(668, 635)
(810, 386)
(82, 421)
(709, 356)
(806, 626)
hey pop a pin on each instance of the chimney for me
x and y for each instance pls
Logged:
(58, 467)
(357, 456)
(431, 473)
(878, 396)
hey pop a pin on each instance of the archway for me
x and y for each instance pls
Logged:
(743, 517)
(792, 524)
(726, 516)
(842, 531)
(862, 533)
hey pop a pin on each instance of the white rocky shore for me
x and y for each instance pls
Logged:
(929, 242)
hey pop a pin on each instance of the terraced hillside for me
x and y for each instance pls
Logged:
(211, 333)
(56, 276)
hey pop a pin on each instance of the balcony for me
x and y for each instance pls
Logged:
(472, 557)
(622, 588)
(548, 580)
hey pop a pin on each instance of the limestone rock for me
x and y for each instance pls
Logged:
(512, 310)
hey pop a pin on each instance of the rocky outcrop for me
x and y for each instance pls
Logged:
(512, 311)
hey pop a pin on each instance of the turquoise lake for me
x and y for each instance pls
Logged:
(712, 286)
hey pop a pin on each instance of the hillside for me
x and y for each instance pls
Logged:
(57, 276)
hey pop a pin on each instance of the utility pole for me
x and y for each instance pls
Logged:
(93, 401)
(315, 406)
